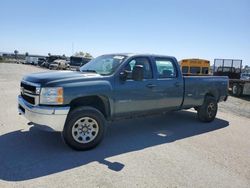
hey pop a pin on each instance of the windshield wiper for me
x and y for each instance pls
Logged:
(89, 71)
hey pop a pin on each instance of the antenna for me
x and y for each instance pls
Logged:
(72, 50)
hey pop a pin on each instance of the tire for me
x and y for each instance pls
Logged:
(84, 128)
(237, 90)
(207, 112)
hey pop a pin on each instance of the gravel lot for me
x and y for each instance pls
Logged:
(174, 150)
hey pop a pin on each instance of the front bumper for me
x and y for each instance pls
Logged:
(53, 117)
(53, 67)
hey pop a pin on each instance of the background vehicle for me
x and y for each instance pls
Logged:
(228, 67)
(59, 64)
(77, 61)
(52, 58)
(41, 61)
(245, 76)
(111, 87)
(233, 69)
(31, 60)
(195, 67)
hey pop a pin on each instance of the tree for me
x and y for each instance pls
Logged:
(84, 54)
(16, 52)
(246, 69)
(26, 54)
(49, 54)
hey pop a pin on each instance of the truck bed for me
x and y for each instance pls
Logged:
(196, 87)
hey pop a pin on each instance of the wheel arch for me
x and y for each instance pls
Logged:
(99, 102)
(213, 94)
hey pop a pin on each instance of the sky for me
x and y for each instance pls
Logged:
(184, 29)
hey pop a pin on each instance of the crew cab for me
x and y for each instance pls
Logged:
(111, 87)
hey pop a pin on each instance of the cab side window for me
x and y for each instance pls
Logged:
(147, 70)
(165, 68)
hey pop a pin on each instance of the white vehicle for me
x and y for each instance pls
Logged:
(245, 76)
(31, 60)
(59, 64)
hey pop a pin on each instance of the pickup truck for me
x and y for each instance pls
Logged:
(111, 87)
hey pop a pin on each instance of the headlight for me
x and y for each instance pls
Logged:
(51, 95)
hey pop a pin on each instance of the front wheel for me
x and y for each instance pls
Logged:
(207, 112)
(84, 128)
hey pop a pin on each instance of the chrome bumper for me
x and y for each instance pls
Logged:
(53, 117)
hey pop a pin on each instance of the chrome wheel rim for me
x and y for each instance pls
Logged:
(85, 130)
(211, 109)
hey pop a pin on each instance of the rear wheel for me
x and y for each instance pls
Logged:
(207, 112)
(237, 90)
(84, 128)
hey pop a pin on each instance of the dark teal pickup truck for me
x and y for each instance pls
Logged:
(115, 86)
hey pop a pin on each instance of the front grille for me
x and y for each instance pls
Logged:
(29, 99)
(27, 87)
(29, 92)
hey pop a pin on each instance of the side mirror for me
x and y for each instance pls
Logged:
(138, 73)
(123, 76)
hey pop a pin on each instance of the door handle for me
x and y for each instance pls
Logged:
(151, 85)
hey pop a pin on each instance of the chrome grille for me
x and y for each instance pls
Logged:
(30, 92)
(29, 88)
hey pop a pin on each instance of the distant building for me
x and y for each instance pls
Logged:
(19, 56)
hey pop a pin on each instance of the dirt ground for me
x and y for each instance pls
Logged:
(173, 150)
(237, 106)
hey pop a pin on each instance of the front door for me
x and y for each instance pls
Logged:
(133, 97)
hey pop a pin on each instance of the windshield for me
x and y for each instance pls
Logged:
(104, 65)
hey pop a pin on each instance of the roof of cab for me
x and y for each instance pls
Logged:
(138, 54)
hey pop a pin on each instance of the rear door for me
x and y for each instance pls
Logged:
(169, 86)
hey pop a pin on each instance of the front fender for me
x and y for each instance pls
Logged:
(83, 89)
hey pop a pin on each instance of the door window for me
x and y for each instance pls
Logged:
(165, 68)
(139, 61)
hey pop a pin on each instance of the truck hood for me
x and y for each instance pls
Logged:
(47, 78)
